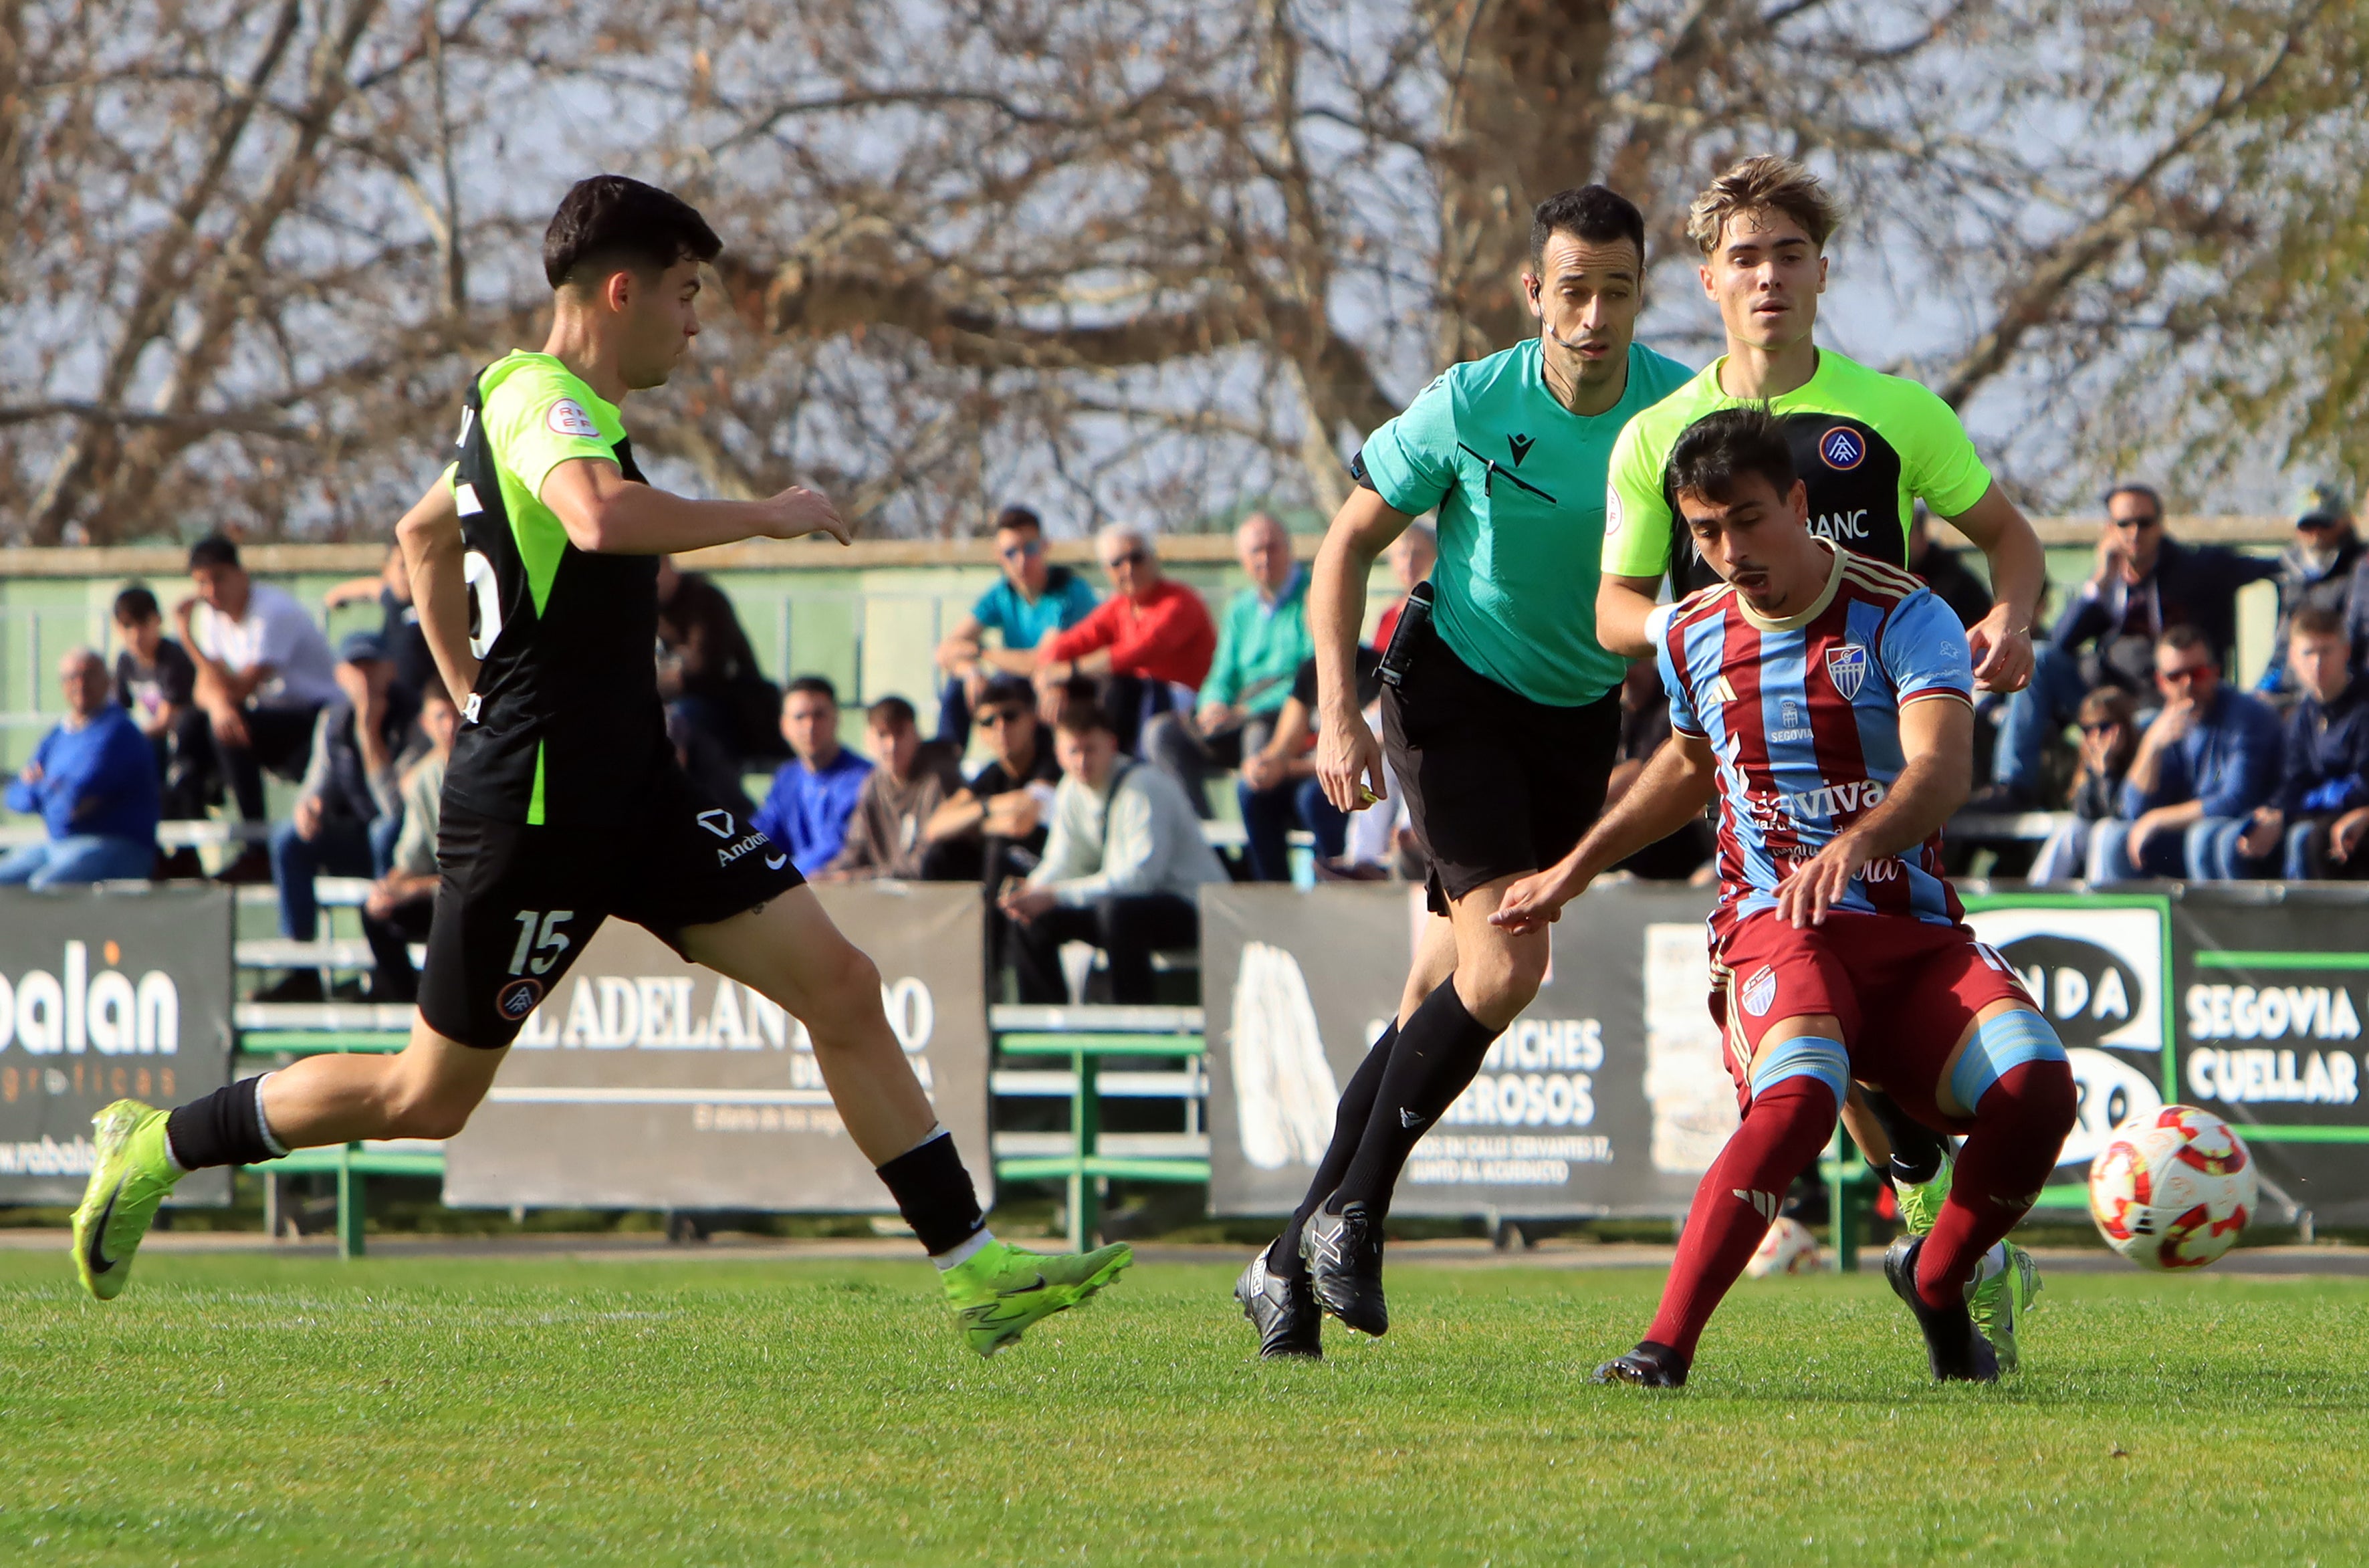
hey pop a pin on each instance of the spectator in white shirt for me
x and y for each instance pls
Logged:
(264, 673)
(1122, 869)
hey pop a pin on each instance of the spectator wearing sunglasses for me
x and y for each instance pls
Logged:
(2209, 759)
(1031, 600)
(1144, 651)
(2145, 583)
(2316, 571)
(2109, 736)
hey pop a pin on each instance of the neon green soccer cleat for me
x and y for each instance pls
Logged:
(2004, 1288)
(1921, 1205)
(1000, 1291)
(130, 1178)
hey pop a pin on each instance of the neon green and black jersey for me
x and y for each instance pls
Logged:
(1519, 483)
(1867, 446)
(564, 726)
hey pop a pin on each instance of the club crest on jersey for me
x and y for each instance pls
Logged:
(568, 417)
(1760, 991)
(1847, 668)
(517, 998)
(1843, 447)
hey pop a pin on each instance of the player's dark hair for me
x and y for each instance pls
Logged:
(896, 709)
(812, 686)
(1084, 714)
(609, 223)
(1596, 213)
(136, 604)
(2132, 487)
(1719, 449)
(2315, 620)
(1019, 517)
(213, 550)
(2182, 638)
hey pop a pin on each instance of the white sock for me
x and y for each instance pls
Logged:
(262, 1118)
(937, 1129)
(964, 1251)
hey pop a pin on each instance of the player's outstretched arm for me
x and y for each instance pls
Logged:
(1346, 752)
(1937, 748)
(1679, 780)
(2001, 640)
(434, 550)
(1622, 605)
(608, 514)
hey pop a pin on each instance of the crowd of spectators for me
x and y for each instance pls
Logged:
(1106, 721)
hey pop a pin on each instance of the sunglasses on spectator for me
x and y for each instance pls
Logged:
(994, 718)
(2101, 727)
(2184, 675)
(2147, 520)
(2317, 524)
(1026, 547)
(1126, 558)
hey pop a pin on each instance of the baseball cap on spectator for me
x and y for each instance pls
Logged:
(2322, 506)
(360, 648)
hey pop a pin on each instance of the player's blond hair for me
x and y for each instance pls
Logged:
(1764, 183)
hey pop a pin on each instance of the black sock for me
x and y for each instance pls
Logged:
(934, 1194)
(1349, 1118)
(225, 1128)
(1916, 1149)
(1434, 1059)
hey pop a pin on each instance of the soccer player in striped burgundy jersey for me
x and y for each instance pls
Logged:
(1827, 701)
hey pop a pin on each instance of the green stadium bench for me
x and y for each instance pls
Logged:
(1085, 1038)
(273, 1033)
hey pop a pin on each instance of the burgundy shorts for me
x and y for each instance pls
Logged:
(1905, 991)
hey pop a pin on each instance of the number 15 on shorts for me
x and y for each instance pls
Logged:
(540, 941)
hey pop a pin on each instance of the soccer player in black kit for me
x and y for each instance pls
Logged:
(534, 561)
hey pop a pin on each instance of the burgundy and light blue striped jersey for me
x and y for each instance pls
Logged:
(1804, 714)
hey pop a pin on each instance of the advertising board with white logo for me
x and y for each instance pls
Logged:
(105, 996)
(644, 1081)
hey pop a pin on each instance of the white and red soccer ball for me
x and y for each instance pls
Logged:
(2173, 1188)
(1788, 1248)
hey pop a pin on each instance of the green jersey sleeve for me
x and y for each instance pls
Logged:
(537, 419)
(1412, 459)
(1636, 512)
(1938, 462)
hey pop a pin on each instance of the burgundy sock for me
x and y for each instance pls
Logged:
(2019, 1129)
(1782, 1132)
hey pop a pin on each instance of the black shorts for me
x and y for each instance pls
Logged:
(1496, 784)
(516, 905)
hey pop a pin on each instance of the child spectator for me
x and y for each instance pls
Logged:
(2319, 809)
(2109, 739)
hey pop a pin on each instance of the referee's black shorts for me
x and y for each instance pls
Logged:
(516, 905)
(1496, 784)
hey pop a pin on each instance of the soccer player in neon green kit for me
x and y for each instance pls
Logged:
(1502, 722)
(534, 561)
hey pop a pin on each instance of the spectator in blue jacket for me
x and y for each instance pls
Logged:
(2145, 584)
(92, 782)
(2211, 756)
(2318, 811)
(815, 792)
(1031, 600)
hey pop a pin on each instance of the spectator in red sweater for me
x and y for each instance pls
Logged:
(1411, 557)
(1147, 647)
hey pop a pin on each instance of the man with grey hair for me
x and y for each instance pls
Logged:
(93, 781)
(1261, 645)
(1150, 637)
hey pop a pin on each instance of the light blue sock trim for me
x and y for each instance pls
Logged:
(1810, 1056)
(1999, 1045)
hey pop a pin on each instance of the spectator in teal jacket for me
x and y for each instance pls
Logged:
(1262, 641)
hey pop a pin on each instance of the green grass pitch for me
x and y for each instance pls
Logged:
(254, 1410)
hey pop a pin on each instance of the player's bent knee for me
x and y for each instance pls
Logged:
(845, 987)
(2000, 1045)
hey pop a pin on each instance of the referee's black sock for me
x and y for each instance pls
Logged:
(1434, 1059)
(1348, 1126)
(934, 1194)
(225, 1128)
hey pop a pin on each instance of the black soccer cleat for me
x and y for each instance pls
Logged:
(1650, 1365)
(1958, 1353)
(1345, 1267)
(1284, 1311)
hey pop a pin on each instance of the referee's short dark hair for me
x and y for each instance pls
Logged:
(1719, 449)
(610, 222)
(812, 686)
(1596, 213)
(213, 550)
(136, 605)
